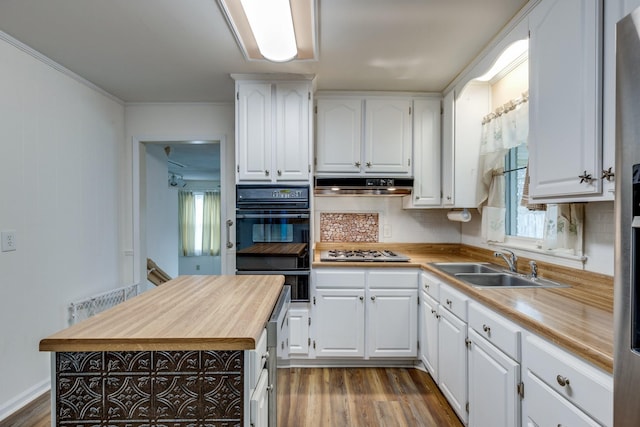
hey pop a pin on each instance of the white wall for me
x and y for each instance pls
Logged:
(176, 122)
(61, 146)
(599, 234)
(408, 226)
(161, 212)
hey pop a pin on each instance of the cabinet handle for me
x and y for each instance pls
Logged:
(270, 387)
(585, 177)
(438, 316)
(279, 172)
(449, 302)
(368, 164)
(361, 298)
(486, 328)
(608, 175)
(563, 381)
(433, 311)
(373, 297)
(229, 224)
(426, 286)
(448, 197)
(266, 173)
(357, 164)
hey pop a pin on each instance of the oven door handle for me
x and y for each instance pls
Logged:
(273, 272)
(270, 216)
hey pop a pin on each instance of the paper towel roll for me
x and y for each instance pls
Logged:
(461, 216)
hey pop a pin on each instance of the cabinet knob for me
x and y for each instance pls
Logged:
(433, 311)
(361, 298)
(279, 172)
(585, 177)
(562, 381)
(608, 175)
(448, 197)
(426, 286)
(368, 164)
(357, 164)
(449, 302)
(373, 297)
(266, 173)
(486, 328)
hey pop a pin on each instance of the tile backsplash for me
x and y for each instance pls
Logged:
(349, 227)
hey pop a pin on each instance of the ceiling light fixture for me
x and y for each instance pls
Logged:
(275, 30)
(511, 54)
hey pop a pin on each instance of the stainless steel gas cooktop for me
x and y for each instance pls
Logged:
(367, 255)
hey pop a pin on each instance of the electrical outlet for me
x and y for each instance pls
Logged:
(8, 240)
(386, 230)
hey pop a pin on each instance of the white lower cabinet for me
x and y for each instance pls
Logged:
(259, 403)
(429, 334)
(298, 341)
(339, 329)
(365, 313)
(561, 389)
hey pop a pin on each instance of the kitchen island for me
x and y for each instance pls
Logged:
(174, 355)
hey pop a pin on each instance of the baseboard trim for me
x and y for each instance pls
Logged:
(343, 363)
(23, 399)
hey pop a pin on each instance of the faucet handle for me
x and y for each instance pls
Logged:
(534, 269)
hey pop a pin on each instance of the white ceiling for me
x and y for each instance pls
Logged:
(183, 50)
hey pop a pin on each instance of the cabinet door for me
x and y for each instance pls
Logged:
(387, 138)
(254, 126)
(259, 403)
(452, 361)
(292, 132)
(339, 135)
(339, 325)
(565, 54)
(426, 140)
(493, 382)
(298, 331)
(429, 334)
(448, 144)
(392, 324)
(544, 407)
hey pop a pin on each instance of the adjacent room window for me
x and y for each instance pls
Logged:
(519, 221)
(199, 222)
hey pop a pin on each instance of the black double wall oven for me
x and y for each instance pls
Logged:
(272, 234)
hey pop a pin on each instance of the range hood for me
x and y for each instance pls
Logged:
(363, 186)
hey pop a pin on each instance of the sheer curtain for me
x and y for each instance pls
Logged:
(211, 224)
(187, 219)
(501, 131)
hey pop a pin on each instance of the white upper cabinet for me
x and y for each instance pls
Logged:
(565, 134)
(273, 131)
(339, 135)
(426, 154)
(448, 145)
(387, 136)
(254, 124)
(363, 135)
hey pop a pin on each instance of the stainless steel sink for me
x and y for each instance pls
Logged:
(467, 267)
(487, 275)
(505, 280)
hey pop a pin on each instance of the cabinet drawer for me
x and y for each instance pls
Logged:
(544, 407)
(407, 279)
(587, 387)
(496, 329)
(430, 285)
(454, 301)
(342, 278)
(257, 359)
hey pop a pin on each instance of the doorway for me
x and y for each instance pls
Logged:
(166, 168)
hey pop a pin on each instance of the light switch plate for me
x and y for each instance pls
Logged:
(8, 238)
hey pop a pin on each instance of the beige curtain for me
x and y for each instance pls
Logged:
(564, 228)
(186, 219)
(211, 224)
(501, 131)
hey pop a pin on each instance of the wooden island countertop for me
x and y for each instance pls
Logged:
(186, 313)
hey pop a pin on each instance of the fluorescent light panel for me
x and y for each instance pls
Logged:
(513, 52)
(303, 13)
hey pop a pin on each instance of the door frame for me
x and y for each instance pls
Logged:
(138, 149)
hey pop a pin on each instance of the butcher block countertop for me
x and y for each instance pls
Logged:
(186, 313)
(276, 249)
(578, 318)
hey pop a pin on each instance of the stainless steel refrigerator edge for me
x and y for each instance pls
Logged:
(627, 209)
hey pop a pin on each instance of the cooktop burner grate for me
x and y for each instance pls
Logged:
(358, 255)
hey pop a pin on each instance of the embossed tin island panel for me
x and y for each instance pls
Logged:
(149, 388)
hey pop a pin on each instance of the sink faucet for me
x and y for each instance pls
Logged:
(510, 260)
(534, 269)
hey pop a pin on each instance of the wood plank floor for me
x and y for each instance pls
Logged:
(331, 397)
